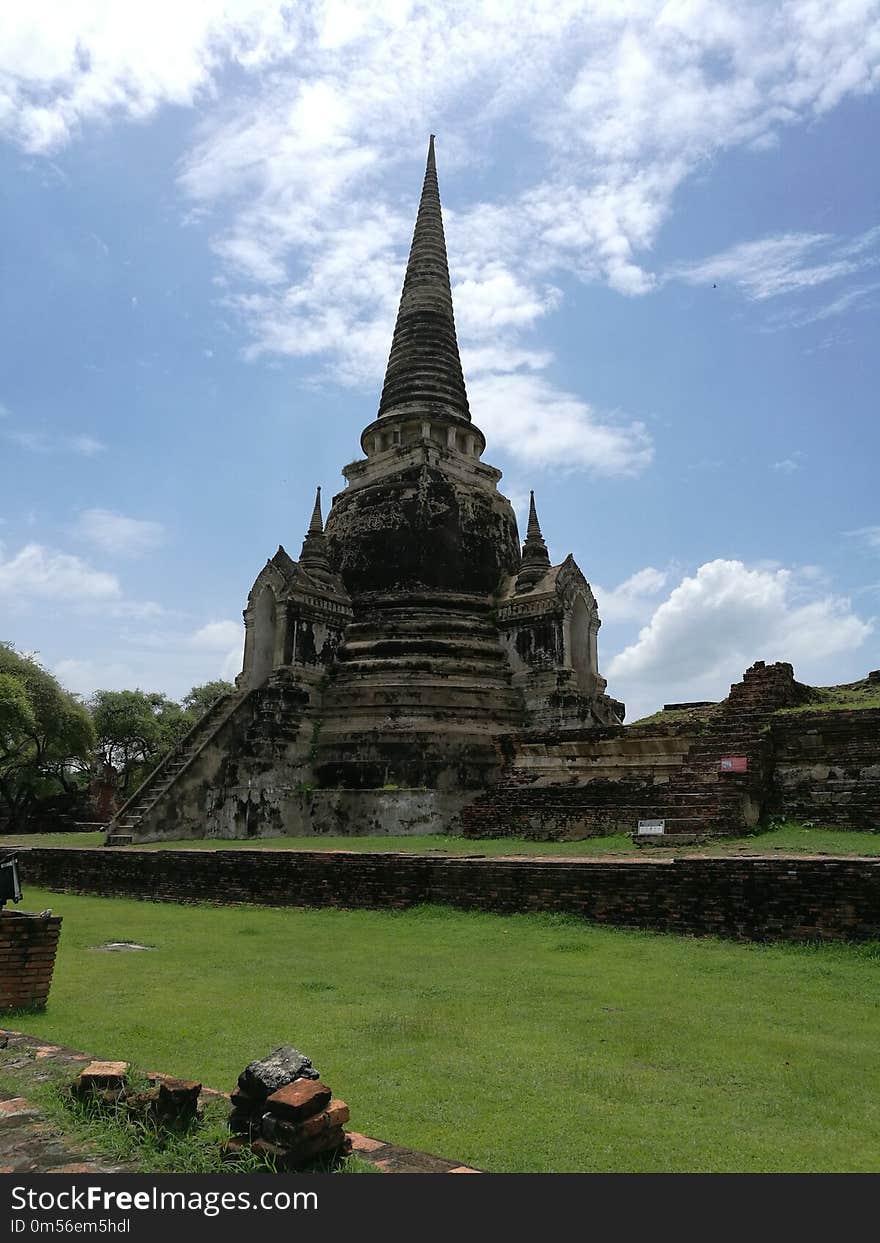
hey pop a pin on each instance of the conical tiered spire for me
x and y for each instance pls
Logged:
(316, 524)
(535, 557)
(424, 369)
(314, 550)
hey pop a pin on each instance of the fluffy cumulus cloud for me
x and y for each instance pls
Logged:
(298, 173)
(558, 429)
(62, 65)
(219, 635)
(725, 616)
(117, 534)
(634, 599)
(40, 573)
(226, 639)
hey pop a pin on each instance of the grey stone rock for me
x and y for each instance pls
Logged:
(283, 1065)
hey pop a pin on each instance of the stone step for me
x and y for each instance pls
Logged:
(421, 669)
(421, 695)
(442, 623)
(458, 647)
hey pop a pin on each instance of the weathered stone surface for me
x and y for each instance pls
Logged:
(282, 1066)
(299, 1100)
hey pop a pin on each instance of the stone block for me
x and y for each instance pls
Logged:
(179, 1094)
(106, 1079)
(282, 1066)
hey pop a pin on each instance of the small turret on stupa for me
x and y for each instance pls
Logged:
(313, 556)
(535, 557)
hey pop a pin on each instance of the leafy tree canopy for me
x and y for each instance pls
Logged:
(46, 734)
(197, 701)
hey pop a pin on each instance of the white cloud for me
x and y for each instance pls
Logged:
(870, 536)
(533, 421)
(226, 638)
(88, 446)
(135, 610)
(793, 262)
(232, 662)
(46, 442)
(64, 65)
(219, 635)
(37, 572)
(165, 660)
(634, 598)
(622, 102)
(117, 534)
(789, 465)
(721, 619)
(627, 102)
(83, 677)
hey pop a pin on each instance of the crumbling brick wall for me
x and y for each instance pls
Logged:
(746, 899)
(27, 958)
(827, 767)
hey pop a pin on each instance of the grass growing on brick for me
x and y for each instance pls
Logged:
(791, 837)
(107, 1131)
(509, 1043)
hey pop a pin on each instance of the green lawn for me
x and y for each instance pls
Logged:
(793, 838)
(510, 1043)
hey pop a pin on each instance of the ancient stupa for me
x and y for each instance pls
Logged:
(384, 669)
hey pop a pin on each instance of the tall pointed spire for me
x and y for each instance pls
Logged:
(424, 368)
(316, 526)
(314, 556)
(535, 557)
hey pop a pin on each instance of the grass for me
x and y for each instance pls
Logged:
(786, 838)
(861, 694)
(509, 1043)
(109, 1132)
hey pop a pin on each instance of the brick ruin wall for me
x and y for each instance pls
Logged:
(743, 899)
(27, 958)
(816, 765)
(827, 768)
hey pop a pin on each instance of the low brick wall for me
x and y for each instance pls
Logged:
(747, 899)
(27, 958)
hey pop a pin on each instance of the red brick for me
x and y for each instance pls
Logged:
(299, 1100)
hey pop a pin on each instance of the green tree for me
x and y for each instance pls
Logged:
(197, 701)
(46, 735)
(134, 730)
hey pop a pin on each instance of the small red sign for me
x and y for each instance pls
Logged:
(735, 764)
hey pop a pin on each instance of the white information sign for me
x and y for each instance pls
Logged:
(652, 828)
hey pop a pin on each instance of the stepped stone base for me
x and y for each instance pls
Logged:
(287, 760)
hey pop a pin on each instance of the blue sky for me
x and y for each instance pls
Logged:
(663, 225)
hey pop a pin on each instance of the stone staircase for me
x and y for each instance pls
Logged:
(127, 820)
